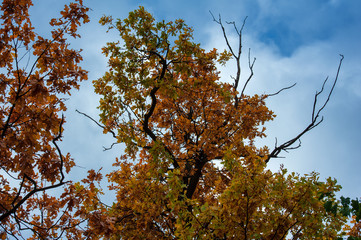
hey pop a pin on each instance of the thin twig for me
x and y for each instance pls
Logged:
(281, 90)
(314, 121)
(97, 123)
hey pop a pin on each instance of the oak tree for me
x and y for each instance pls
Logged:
(37, 72)
(191, 169)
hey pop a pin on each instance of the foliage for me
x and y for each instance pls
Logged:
(36, 73)
(191, 169)
(353, 208)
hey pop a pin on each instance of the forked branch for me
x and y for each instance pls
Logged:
(103, 127)
(316, 119)
(237, 56)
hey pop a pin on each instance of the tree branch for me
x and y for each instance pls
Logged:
(281, 90)
(314, 120)
(237, 56)
(36, 189)
(250, 66)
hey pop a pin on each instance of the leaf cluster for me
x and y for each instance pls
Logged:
(36, 74)
(191, 169)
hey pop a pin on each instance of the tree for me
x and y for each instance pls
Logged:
(191, 169)
(36, 74)
(353, 208)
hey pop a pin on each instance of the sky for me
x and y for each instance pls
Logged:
(295, 41)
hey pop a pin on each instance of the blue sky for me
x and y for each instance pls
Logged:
(293, 41)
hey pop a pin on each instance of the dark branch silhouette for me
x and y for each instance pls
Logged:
(237, 56)
(315, 120)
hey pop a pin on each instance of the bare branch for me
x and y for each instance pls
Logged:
(103, 127)
(281, 90)
(250, 66)
(314, 121)
(219, 21)
(97, 123)
(237, 55)
(111, 146)
(235, 26)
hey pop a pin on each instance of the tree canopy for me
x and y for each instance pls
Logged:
(37, 72)
(190, 168)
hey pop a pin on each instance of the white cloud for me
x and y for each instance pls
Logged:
(309, 65)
